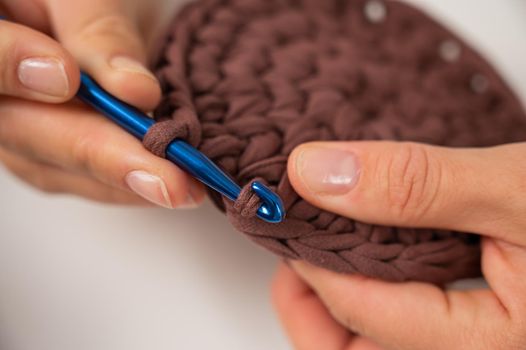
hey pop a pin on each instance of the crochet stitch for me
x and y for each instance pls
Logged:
(246, 81)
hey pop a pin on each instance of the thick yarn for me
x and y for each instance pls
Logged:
(246, 81)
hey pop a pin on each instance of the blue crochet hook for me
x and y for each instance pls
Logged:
(179, 152)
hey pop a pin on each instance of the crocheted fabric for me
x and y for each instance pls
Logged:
(246, 81)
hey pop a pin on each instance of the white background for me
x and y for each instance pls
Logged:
(82, 276)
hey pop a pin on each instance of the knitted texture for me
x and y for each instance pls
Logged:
(246, 81)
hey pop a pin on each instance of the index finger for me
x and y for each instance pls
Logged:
(34, 66)
(304, 316)
(104, 38)
(406, 315)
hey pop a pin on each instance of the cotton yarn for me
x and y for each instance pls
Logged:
(246, 81)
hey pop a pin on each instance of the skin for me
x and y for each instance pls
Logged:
(58, 146)
(54, 143)
(413, 185)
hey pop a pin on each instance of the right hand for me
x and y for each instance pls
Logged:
(412, 185)
(64, 147)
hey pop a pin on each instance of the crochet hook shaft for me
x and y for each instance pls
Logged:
(179, 152)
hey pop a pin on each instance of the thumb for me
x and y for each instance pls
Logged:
(103, 37)
(34, 66)
(415, 185)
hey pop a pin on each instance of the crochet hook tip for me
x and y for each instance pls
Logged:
(272, 209)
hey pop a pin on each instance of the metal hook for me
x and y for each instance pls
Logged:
(272, 208)
(179, 152)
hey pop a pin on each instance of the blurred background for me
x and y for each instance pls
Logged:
(77, 275)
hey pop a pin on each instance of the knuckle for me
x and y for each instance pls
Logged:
(85, 151)
(10, 128)
(8, 60)
(410, 180)
(108, 25)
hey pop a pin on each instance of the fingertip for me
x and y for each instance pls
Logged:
(295, 157)
(304, 315)
(170, 191)
(135, 83)
(72, 72)
(183, 191)
(325, 174)
(105, 39)
(294, 172)
(50, 79)
(36, 67)
(292, 162)
(129, 81)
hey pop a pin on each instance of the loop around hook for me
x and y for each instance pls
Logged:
(179, 152)
(272, 209)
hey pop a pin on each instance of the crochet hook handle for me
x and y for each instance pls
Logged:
(179, 152)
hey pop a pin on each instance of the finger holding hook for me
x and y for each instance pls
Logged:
(179, 152)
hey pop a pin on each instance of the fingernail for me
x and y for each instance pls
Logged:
(327, 171)
(126, 64)
(150, 187)
(44, 75)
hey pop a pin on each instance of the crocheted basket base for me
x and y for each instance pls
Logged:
(246, 81)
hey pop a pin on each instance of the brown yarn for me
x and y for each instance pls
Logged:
(252, 79)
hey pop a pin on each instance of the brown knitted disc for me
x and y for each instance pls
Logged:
(249, 80)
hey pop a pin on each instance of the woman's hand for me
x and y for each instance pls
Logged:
(69, 148)
(403, 184)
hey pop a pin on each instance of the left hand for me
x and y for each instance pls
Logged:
(412, 185)
(60, 146)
